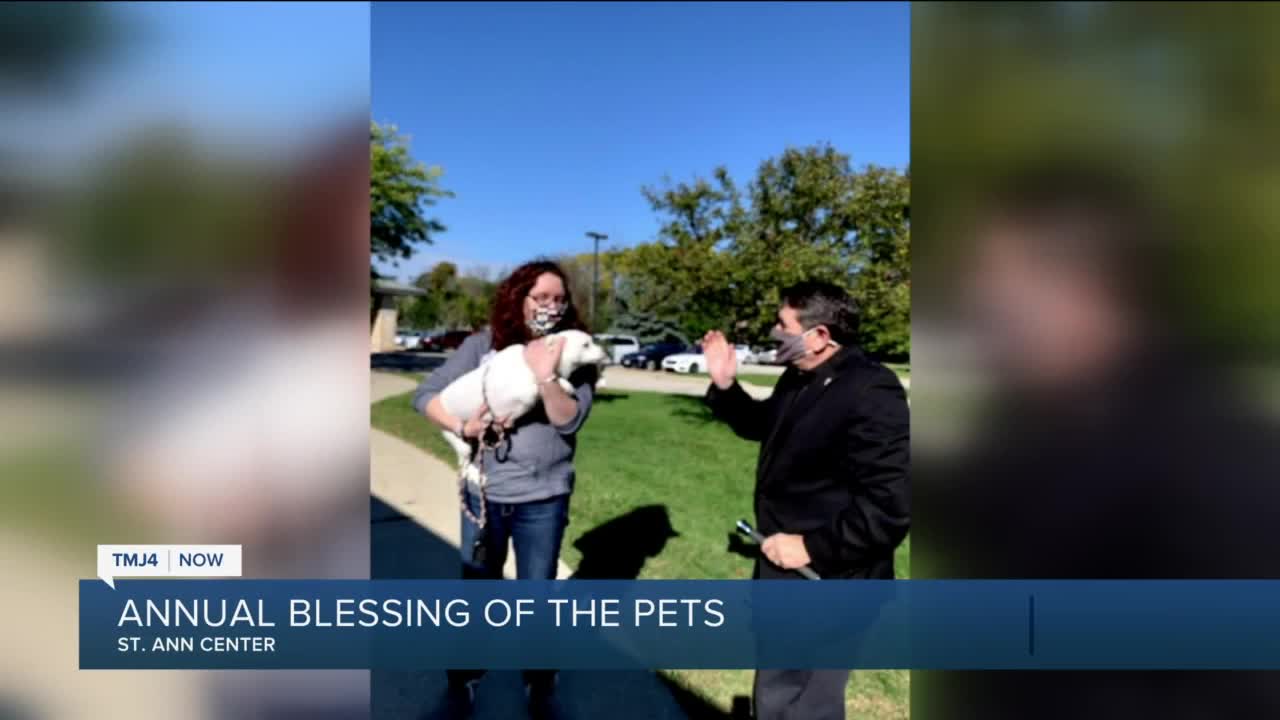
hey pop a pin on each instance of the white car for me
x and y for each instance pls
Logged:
(618, 346)
(685, 363)
(409, 339)
(696, 362)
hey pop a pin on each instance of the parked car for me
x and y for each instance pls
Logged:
(618, 346)
(695, 362)
(409, 339)
(767, 357)
(445, 341)
(686, 362)
(650, 357)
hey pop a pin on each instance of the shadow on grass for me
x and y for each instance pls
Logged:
(697, 708)
(608, 397)
(619, 548)
(691, 408)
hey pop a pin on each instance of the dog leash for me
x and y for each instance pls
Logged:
(493, 437)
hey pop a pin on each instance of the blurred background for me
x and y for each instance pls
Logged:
(1096, 391)
(183, 328)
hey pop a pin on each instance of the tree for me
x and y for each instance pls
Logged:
(722, 256)
(682, 274)
(880, 206)
(471, 307)
(441, 279)
(579, 269)
(648, 328)
(453, 300)
(401, 189)
(420, 312)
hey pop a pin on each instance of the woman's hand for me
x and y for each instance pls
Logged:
(722, 361)
(476, 424)
(543, 356)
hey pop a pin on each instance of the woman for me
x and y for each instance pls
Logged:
(529, 475)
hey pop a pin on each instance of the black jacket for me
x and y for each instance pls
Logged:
(833, 463)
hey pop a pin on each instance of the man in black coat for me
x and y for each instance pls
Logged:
(831, 481)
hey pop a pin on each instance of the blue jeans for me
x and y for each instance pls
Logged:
(536, 529)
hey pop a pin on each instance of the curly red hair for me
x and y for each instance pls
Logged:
(506, 321)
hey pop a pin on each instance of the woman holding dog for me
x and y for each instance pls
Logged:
(528, 465)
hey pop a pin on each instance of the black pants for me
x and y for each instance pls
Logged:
(800, 694)
(796, 694)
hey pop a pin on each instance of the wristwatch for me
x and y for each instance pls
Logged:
(462, 428)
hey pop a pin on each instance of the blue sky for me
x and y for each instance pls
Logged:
(548, 118)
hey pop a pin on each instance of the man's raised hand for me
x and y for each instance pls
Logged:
(722, 361)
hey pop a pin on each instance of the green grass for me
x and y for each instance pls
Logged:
(395, 415)
(644, 449)
(753, 378)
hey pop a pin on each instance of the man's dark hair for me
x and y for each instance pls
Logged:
(823, 303)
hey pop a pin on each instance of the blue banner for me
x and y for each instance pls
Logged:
(629, 625)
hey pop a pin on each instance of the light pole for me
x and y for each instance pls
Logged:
(595, 274)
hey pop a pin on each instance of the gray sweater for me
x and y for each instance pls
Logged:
(539, 462)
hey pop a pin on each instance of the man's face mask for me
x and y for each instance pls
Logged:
(790, 347)
(546, 318)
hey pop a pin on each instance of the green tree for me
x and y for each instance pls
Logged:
(648, 328)
(401, 190)
(579, 268)
(442, 279)
(682, 275)
(420, 313)
(475, 297)
(722, 255)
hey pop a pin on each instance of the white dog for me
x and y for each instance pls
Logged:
(510, 387)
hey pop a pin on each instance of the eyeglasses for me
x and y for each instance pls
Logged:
(547, 299)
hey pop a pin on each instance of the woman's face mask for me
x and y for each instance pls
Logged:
(546, 318)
